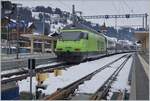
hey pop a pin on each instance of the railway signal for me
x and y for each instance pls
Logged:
(31, 67)
(127, 15)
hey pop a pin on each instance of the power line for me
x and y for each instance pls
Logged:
(127, 6)
(122, 6)
(113, 3)
(65, 5)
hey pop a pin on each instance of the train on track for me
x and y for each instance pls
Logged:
(79, 42)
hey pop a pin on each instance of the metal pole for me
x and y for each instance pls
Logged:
(30, 73)
(73, 13)
(143, 22)
(116, 22)
(146, 21)
(43, 22)
(50, 22)
(43, 32)
(31, 83)
(17, 51)
(7, 39)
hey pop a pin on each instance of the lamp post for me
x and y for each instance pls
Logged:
(43, 44)
(17, 51)
(8, 40)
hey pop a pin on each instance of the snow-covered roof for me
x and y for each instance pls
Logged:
(35, 33)
(29, 24)
(111, 38)
(12, 20)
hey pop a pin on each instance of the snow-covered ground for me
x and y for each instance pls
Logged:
(121, 82)
(69, 75)
(97, 81)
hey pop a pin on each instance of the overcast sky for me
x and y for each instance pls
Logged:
(98, 7)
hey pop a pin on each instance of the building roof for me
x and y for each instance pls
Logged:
(40, 37)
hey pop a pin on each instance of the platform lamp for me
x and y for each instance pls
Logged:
(17, 52)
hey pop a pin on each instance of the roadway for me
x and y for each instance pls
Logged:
(145, 56)
(140, 80)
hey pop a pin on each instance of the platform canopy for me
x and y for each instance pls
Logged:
(39, 37)
(143, 37)
(140, 35)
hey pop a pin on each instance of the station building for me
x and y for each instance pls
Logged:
(142, 36)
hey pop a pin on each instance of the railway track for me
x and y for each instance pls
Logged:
(20, 75)
(102, 92)
(23, 63)
(23, 70)
(24, 73)
(63, 93)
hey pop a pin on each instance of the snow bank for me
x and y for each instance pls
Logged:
(69, 75)
(121, 82)
(97, 81)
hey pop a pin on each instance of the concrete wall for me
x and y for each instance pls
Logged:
(147, 42)
(143, 36)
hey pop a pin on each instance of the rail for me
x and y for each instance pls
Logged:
(102, 92)
(66, 91)
(24, 74)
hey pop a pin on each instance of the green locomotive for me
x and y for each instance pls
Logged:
(79, 42)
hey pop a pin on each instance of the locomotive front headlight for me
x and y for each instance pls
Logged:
(59, 49)
(77, 49)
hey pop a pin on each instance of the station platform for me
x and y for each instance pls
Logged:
(10, 62)
(139, 78)
(10, 57)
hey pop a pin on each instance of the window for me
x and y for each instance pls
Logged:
(83, 35)
(73, 35)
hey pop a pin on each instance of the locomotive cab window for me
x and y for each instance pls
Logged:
(73, 36)
(84, 35)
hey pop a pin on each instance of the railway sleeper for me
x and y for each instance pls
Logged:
(66, 91)
(102, 92)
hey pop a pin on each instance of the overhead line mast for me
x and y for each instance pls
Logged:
(120, 16)
(73, 14)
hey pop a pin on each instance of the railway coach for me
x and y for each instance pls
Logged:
(111, 45)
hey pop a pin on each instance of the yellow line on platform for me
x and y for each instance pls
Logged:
(145, 65)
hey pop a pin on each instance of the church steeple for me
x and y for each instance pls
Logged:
(103, 28)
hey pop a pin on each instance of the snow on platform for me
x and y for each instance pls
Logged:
(97, 81)
(46, 65)
(69, 75)
(121, 82)
(9, 71)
